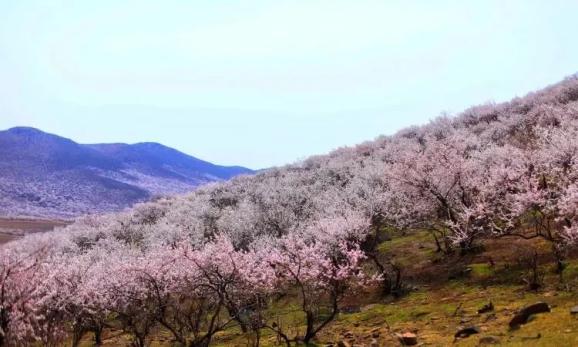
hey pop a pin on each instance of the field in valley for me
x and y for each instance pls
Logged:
(14, 228)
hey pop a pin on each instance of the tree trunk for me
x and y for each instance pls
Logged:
(98, 335)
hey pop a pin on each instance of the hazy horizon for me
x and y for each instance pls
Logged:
(260, 84)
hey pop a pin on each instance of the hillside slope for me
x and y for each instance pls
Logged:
(50, 176)
(413, 234)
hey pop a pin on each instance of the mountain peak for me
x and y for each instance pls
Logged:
(23, 130)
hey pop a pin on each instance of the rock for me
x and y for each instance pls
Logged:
(375, 333)
(574, 310)
(465, 332)
(343, 344)
(525, 313)
(486, 308)
(373, 343)
(407, 339)
(489, 340)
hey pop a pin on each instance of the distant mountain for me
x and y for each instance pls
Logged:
(45, 175)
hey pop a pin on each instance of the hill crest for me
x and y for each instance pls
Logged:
(46, 175)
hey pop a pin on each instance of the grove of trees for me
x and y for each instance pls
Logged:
(220, 256)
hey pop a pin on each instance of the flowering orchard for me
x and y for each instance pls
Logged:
(198, 264)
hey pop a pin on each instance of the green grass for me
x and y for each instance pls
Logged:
(435, 311)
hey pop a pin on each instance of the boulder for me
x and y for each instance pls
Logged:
(486, 308)
(524, 314)
(574, 310)
(465, 332)
(407, 339)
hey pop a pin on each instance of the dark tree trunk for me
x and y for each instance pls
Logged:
(98, 335)
(77, 334)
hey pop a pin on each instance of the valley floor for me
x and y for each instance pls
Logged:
(14, 228)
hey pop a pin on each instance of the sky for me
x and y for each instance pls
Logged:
(264, 83)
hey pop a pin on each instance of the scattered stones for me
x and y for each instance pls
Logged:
(486, 308)
(465, 332)
(574, 310)
(525, 313)
(407, 339)
(489, 340)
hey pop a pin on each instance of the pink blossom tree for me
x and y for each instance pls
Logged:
(322, 277)
(29, 309)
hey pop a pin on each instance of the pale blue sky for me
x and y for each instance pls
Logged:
(261, 83)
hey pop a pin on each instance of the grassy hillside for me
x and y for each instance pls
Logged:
(443, 295)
